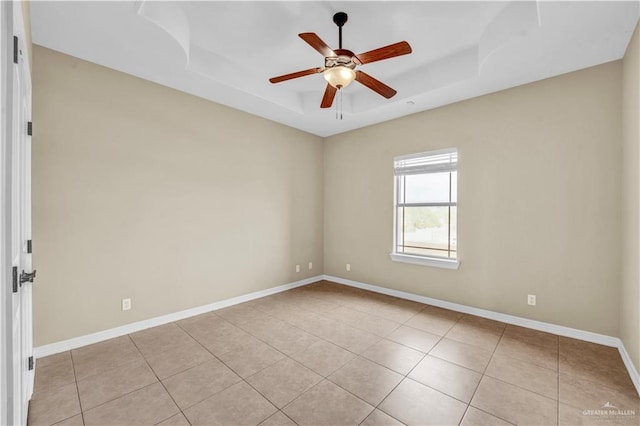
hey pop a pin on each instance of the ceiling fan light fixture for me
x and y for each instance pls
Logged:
(339, 64)
(339, 76)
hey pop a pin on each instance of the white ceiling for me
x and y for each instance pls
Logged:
(226, 51)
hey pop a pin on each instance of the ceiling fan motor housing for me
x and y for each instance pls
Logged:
(340, 60)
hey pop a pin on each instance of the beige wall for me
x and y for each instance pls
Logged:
(629, 310)
(539, 200)
(138, 193)
(145, 192)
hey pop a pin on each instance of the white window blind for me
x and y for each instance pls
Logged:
(445, 160)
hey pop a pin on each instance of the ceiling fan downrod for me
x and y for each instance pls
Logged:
(340, 19)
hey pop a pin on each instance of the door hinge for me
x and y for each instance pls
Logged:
(15, 49)
(31, 363)
(15, 279)
(27, 277)
(29, 128)
(29, 246)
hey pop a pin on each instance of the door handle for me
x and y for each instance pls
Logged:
(27, 277)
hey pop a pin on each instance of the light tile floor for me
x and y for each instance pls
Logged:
(326, 354)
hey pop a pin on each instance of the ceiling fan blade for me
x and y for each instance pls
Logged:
(375, 85)
(295, 75)
(329, 94)
(386, 52)
(316, 42)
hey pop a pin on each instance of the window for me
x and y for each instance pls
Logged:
(426, 195)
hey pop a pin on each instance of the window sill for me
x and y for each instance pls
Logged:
(425, 261)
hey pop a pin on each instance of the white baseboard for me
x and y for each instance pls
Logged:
(77, 342)
(631, 368)
(588, 336)
(509, 319)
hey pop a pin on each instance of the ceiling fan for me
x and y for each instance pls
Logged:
(339, 64)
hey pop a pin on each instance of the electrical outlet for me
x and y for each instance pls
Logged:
(348, 267)
(297, 268)
(531, 299)
(126, 304)
(310, 265)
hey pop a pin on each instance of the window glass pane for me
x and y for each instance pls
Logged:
(428, 188)
(426, 228)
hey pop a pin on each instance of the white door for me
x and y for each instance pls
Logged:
(26, 242)
(19, 346)
(22, 207)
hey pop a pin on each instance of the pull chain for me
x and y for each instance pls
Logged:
(339, 105)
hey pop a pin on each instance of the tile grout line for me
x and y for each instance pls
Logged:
(242, 379)
(195, 366)
(401, 324)
(333, 343)
(159, 381)
(557, 399)
(135, 390)
(470, 399)
(326, 377)
(544, 367)
(305, 331)
(428, 353)
(491, 414)
(406, 376)
(484, 374)
(75, 379)
(218, 357)
(315, 385)
(284, 414)
(557, 372)
(119, 396)
(444, 336)
(427, 306)
(356, 355)
(385, 338)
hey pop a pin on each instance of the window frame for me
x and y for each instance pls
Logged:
(417, 259)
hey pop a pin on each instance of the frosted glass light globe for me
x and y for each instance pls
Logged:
(339, 76)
